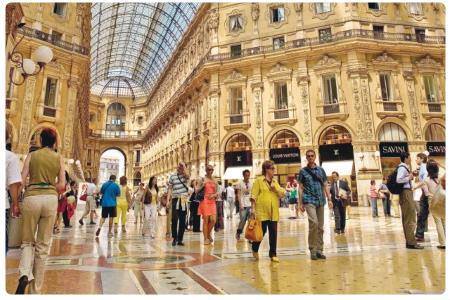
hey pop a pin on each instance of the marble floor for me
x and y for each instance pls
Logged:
(370, 258)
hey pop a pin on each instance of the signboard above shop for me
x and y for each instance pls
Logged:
(285, 155)
(392, 149)
(238, 158)
(336, 152)
(436, 148)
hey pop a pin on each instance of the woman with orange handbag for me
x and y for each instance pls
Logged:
(266, 192)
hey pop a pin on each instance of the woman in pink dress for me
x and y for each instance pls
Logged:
(207, 207)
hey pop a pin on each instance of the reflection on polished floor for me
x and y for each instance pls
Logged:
(370, 258)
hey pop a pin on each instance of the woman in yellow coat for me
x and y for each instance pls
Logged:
(266, 193)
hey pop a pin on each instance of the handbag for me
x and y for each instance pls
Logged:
(437, 202)
(15, 231)
(253, 231)
(200, 196)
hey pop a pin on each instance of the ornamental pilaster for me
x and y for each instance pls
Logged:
(361, 103)
(303, 84)
(257, 89)
(70, 114)
(415, 117)
(26, 114)
(214, 95)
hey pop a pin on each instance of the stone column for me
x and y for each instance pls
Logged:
(258, 149)
(26, 115)
(415, 117)
(69, 119)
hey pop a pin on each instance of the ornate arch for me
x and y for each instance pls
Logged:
(397, 121)
(46, 125)
(233, 132)
(432, 121)
(275, 130)
(325, 125)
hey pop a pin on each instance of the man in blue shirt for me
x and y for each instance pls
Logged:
(404, 176)
(109, 191)
(422, 215)
(313, 191)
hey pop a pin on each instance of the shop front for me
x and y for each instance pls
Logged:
(238, 157)
(435, 137)
(393, 141)
(336, 154)
(285, 153)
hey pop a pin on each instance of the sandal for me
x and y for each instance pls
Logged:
(55, 230)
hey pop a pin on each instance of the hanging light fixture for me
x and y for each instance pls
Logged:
(30, 67)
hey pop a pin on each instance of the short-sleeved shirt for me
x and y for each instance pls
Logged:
(110, 191)
(12, 171)
(179, 184)
(312, 188)
(266, 201)
(245, 191)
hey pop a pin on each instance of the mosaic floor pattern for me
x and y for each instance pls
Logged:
(370, 258)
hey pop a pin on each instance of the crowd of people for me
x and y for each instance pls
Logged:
(50, 195)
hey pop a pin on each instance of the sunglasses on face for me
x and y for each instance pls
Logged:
(310, 155)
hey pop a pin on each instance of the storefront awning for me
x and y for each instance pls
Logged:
(235, 172)
(343, 167)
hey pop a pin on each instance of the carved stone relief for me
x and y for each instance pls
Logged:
(26, 113)
(257, 91)
(413, 105)
(306, 112)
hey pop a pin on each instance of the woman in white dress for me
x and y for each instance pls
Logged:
(150, 207)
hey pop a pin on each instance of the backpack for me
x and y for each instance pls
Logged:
(392, 185)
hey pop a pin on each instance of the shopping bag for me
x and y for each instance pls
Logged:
(15, 231)
(253, 232)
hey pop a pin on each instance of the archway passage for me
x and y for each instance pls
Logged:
(336, 155)
(238, 156)
(435, 137)
(285, 152)
(112, 162)
(393, 141)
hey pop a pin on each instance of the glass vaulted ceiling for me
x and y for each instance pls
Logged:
(131, 44)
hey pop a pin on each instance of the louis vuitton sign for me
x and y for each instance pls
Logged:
(285, 155)
(392, 149)
(238, 158)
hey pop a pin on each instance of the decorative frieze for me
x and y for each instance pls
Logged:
(26, 114)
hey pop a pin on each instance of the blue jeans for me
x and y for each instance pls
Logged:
(373, 204)
(245, 214)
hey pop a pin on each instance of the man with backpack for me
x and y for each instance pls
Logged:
(404, 189)
(314, 192)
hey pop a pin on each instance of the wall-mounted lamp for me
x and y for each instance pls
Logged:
(30, 67)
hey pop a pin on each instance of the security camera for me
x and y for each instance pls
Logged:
(21, 23)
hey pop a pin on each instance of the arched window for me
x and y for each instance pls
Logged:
(335, 135)
(284, 139)
(435, 133)
(115, 117)
(238, 142)
(391, 132)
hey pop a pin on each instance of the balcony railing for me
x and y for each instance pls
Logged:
(40, 35)
(332, 111)
(339, 36)
(332, 108)
(389, 108)
(106, 134)
(433, 109)
(236, 119)
(241, 120)
(49, 111)
(284, 115)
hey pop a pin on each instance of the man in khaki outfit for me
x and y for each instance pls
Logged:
(407, 204)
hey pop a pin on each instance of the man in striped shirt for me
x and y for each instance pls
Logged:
(177, 195)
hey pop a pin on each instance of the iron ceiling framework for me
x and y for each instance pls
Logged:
(131, 43)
